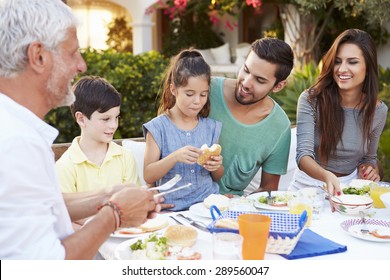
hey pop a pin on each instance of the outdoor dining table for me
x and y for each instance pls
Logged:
(328, 226)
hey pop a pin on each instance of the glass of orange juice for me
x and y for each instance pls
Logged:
(299, 204)
(254, 228)
(376, 190)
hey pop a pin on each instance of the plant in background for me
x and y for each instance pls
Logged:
(300, 80)
(310, 25)
(384, 143)
(191, 21)
(120, 35)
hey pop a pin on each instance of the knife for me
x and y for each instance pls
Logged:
(168, 184)
(193, 223)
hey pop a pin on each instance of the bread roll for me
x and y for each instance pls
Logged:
(181, 236)
(157, 223)
(219, 200)
(226, 223)
(214, 150)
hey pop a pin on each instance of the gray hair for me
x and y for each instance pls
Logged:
(25, 21)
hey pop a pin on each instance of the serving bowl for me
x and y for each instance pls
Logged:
(386, 200)
(351, 204)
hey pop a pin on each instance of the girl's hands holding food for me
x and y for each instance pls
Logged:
(187, 154)
(214, 163)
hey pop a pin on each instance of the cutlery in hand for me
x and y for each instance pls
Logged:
(167, 185)
(171, 191)
(329, 194)
(196, 224)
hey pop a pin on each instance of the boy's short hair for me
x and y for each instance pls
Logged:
(94, 94)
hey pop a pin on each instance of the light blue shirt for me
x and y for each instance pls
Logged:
(169, 138)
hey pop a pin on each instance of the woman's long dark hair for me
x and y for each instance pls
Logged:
(325, 92)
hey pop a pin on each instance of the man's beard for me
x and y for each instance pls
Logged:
(243, 102)
(57, 96)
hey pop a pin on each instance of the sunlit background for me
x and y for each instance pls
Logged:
(95, 17)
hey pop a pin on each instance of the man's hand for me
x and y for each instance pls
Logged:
(136, 204)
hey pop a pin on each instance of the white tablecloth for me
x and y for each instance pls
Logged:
(327, 226)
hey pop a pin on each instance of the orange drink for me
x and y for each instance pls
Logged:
(375, 193)
(254, 228)
(298, 205)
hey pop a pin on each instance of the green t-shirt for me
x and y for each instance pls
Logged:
(246, 148)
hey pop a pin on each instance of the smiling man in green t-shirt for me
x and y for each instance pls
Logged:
(255, 129)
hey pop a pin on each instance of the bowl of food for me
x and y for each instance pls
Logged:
(351, 204)
(386, 200)
(357, 186)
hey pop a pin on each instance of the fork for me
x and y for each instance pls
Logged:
(329, 194)
(364, 229)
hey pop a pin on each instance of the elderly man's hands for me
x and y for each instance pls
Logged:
(137, 204)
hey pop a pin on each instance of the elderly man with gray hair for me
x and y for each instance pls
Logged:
(39, 57)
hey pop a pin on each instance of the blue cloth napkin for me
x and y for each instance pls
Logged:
(311, 244)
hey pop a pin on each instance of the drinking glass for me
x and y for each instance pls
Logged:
(227, 246)
(254, 228)
(299, 204)
(375, 193)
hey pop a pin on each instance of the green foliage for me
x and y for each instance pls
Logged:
(300, 80)
(375, 12)
(137, 78)
(384, 143)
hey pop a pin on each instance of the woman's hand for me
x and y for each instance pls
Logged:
(368, 172)
(332, 185)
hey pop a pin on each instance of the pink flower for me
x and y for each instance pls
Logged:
(181, 4)
(213, 16)
(229, 26)
(254, 3)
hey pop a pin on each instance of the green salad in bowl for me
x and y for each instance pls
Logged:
(358, 187)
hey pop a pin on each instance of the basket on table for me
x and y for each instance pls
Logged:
(285, 229)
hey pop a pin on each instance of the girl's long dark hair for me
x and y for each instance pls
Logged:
(188, 63)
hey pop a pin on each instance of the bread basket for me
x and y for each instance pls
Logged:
(285, 230)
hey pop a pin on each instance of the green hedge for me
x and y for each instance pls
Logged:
(137, 78)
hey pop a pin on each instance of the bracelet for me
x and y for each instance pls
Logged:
(117, 212)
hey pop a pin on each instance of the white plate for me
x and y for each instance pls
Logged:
(259, 205)
(123, 251)
(118, 233)
(354, 226)
(199, 209)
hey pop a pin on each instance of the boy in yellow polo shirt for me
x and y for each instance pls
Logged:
(93, 160)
